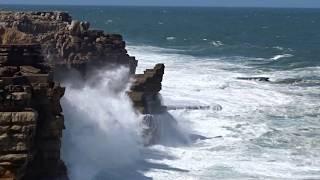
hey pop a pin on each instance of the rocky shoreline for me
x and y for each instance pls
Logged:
(37, 50)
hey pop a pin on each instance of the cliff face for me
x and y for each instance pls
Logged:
(70, 43)
(31, 122)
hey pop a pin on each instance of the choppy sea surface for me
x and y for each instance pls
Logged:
(260, 130)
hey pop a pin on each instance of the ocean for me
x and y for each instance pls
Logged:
(253, 129)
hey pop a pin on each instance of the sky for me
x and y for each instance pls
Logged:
(227, 3)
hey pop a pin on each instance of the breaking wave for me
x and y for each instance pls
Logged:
(102, 129)
(256, 134)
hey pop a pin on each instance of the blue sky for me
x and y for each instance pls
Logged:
(232, 3)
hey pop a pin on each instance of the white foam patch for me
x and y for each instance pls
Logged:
(277, 57)
(252, 136)
(102, 129)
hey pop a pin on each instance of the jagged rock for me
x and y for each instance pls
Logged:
(60, 37)
(66, 44)
(145, 90)
(30, 115)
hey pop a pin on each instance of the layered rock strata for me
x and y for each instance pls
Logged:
(145, 90)
(70, 43)
(31, 122)
(31, 99)
(146, 99)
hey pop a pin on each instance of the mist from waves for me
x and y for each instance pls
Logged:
(265, 130)
(102, 129)
(104, 134)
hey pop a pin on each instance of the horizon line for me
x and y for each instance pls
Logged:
(165, 6)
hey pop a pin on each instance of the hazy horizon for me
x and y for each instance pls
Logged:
(178, 3)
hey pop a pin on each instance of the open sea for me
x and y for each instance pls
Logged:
(253, 129)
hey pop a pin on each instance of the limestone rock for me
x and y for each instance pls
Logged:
(30, 114)
(145, 90)
(70, 43)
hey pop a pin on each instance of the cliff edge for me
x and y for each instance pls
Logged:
(38, 50)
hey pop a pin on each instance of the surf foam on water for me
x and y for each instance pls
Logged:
(257, 134)
(277, 57)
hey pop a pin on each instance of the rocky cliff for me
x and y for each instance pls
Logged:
(31, 122)
(66, 42)
(36, 49)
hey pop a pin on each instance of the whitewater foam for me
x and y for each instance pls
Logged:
(255, 126)
(277, 57)
(217, 43)
(102, 129)
(170, 38)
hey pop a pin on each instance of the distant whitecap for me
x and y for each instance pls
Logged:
(278, 47)
(109, 21)
(170, 38)
(277, 57)
(217, 43)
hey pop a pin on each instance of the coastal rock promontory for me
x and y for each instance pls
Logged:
(37, 51)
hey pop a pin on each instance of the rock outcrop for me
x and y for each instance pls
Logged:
(146, 99)
(31, 122)
(70, 43)
(145, 90)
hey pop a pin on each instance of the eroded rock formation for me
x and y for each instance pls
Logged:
(146, 99)
(69, 43)
(145, 90)
(31, 122)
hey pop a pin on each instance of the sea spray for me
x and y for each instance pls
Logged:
(164, 129)
(102, 128)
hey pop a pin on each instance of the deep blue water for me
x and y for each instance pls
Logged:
(248, 32)
(267, 130)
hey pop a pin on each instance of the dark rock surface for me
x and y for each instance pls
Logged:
(145, 90)
(31, 122)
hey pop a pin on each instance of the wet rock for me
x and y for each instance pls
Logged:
(145, 90)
